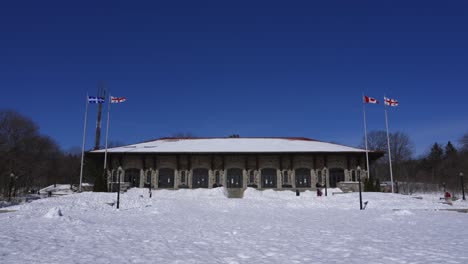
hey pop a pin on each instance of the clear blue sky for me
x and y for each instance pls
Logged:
(254, 68)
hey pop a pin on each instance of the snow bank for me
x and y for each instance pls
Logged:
(54, 213)
(203, 226)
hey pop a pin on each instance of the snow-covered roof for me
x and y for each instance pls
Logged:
(231, 145)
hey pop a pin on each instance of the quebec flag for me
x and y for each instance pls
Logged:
(95, 100)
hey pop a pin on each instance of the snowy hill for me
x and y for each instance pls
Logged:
(203, 226)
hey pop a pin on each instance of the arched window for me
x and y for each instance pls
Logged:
(269, 178)
(182, 177)
(148, 176)
(217, 179)
(166, 178)
(285, 177)
(234, 178)
(252, 177)
(200, 178)
(303, 178)
(132, 176)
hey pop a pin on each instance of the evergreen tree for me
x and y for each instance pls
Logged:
(450, 150)
(436, 153)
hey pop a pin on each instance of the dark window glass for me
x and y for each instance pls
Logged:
(148, 176)
(285, 177)
(182, 177)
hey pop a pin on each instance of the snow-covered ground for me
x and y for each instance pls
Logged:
(203, 226)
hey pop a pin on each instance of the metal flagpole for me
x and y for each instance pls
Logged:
(365, 137)
(388, 143)
(107, 133)
(83, 145)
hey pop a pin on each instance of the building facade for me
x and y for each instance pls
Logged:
(236, 163)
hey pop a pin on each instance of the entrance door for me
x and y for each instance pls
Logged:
(200, 178)
(336, 176)
(234, 178)
(303, 178)
(269, 178)
(166, 178)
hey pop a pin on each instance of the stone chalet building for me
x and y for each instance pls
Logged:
(236, 163)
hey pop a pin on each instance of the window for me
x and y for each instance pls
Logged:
(166, 178)
(269, 178)
(200, 178)
(114, 176)
(217, 177)
(132, 176)
(182, 177)
(353, 175)
(303, 177)
(234, 178)
(285, 177)
(148, 176)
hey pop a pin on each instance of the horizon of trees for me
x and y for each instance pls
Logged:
(30, 160)
(439, 166)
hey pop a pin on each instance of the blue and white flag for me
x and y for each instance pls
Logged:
(95, 100)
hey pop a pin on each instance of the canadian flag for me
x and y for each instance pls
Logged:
(370, 100)
(390, 102)
(116, 100)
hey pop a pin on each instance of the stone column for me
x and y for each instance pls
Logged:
(279, 179)
(142, 178)
(155, 177)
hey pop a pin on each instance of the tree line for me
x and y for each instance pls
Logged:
(30, 160)
(440, 166)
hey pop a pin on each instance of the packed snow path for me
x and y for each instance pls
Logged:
(202, 226)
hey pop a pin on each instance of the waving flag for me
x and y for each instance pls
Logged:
(390, 102)
(95, 100)
(370, 100)
(116, 100)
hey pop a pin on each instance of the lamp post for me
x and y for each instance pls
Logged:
(463, 187)
(12, 177)
(149, 185)
(119, 173)
(360, 192)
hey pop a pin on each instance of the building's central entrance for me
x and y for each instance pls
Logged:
(234, 178)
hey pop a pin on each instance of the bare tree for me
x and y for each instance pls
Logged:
(36, 160)
(401, 148)
(464, 142)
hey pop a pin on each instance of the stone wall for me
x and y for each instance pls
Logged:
(250, 164)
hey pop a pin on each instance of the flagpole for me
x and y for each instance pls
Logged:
(388, 144)
(107, 133)
(83, 145)
(365, 137)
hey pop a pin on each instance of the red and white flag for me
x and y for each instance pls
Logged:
(390, 102)
(370, 100)
(116, 100)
